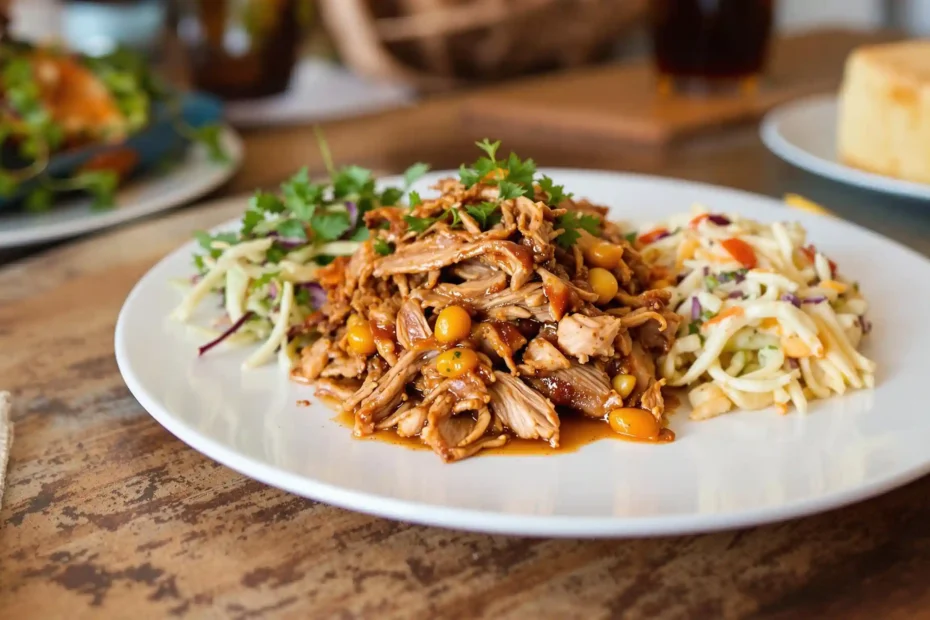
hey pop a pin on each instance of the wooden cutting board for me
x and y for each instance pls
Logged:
(621, 102)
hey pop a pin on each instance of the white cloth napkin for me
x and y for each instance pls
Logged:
(6, 437)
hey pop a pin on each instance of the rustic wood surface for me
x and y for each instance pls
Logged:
(108, 515)
(622, 100)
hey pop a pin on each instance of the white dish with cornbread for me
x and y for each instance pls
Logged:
(875, 133)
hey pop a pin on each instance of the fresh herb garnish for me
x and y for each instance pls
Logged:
(693, 328)
(302, 295)
(514, 178)
(414, 199)
(571, 222)
(419, 224)
(383, 247)
(556, 193)
(414, 173)
(482, 213)
(508, 190)
(631, 237)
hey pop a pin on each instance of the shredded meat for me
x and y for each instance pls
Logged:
(436, 252)
(588, 336)
(499, 339)
(581, 387)
(314, 358)
(652, 398)
(338, 390)
(412, 328)
(389, 391)
(523, 410)
(539, 336)
(542, 355)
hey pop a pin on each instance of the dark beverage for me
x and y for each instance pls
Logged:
(241, 48)
(710, 42)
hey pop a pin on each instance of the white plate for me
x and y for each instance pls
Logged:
(803, 133)
(191, 178)
(737, 470)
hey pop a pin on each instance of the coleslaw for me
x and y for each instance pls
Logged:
(768, 320)
(263, 272)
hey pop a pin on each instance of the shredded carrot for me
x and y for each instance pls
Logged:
(734, 311)
(839, 287)
(652, 236)
(811, 252)
(771, 323)
(698, 219)
(741, 251)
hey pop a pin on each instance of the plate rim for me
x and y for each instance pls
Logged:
(491, 522)
(56, 230)
(788, 151)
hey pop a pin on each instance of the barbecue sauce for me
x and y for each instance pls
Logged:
(575, 432)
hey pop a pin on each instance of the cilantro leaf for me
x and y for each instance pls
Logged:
(361, 234)
(330, 226)
(414, 199)
(509, 190)
(302, 296)
(556, 193)
(631, 237)
(199, 264)
(391, 196)
(570, 223)
(265, 278)
(482, 212)
(206, 241)
(275, 253)
(250, 220)
(300, 196)
(520, 172)
(468, 177)
(352, 180)
(693, 329)
(414, 173)
(292, 229)
(456, 218)
(265, 202)
(490, 148)
(419, 224)
(382, 247)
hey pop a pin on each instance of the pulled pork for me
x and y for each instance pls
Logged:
(545, 342)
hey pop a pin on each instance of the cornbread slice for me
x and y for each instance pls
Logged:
(884, 110)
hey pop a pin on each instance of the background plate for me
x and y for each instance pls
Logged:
(803, 133)
(191, 177)
(737, 470)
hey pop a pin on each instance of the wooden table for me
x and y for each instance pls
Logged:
(108, 515)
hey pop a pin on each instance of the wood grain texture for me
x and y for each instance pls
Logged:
(107, 515)
(623, 102)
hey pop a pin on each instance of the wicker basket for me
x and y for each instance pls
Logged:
(438, 44)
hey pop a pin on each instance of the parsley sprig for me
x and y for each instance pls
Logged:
(304, 212)
(515, 177)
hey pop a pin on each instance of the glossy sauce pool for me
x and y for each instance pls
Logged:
(574, 433)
